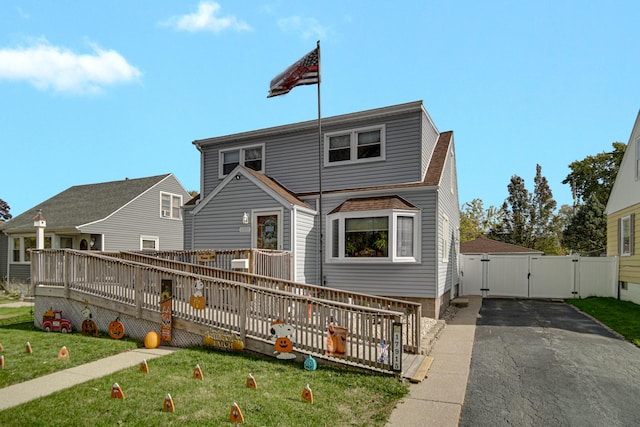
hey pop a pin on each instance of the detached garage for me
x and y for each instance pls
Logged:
(492, 268)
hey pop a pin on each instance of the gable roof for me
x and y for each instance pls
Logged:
(267, 184)
(626, 188)
(482, 245)
(83, 204)
(438, 159)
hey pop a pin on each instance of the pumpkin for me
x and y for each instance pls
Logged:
(152, 340)
(197, 302)
(116, 329)
(310, 364)
(208, 340)
(283, 345)
(237, 345)
(89, 328)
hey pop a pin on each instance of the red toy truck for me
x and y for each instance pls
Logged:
(53, 321)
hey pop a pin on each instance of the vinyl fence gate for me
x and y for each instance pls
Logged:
(536, 276)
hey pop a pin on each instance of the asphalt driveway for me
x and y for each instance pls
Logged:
(543, 363)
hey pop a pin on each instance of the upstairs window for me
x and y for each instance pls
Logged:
(170, 206)
(251, 157)
(358, 145)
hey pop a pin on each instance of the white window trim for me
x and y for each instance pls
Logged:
(622, 233)
(22, 248)
(392, 236)
(241, 149)
(254, 224)
(169, 215)
(155, 239)
(354, 145)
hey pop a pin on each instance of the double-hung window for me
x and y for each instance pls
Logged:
(251, 157)
(385, 235)
(170, 205)
(626, 235)
(354, 146)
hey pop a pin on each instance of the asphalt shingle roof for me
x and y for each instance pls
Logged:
(82, 204)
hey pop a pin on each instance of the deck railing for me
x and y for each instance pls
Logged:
(243, 308)
(412, 311)
(265, 262)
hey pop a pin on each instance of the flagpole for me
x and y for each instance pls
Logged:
(320, 169)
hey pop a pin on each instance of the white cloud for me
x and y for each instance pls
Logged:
(307, 27)
(207, 19)
(46, 66)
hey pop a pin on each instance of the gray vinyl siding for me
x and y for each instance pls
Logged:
(187, 226)
(218, 225)
(398, 280)
(306, 247)
(292, 158)
(429, 140)
(449, 206)
(4, 255)
(141, 217)
(20, 272)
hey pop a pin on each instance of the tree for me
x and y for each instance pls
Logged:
(4, 210)
(514, 227)
(595, 174)
(528, 219)
(475, 221)
(587, 232)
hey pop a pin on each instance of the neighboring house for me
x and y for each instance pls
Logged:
(623, 213)
(389, 201)
(482, 245)
(133, 214)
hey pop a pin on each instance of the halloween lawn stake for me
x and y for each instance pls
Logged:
(116, 329)
(281, 333)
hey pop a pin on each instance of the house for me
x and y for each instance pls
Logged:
(132, 214)
(623, 212)
(381, 185)
(482, 245)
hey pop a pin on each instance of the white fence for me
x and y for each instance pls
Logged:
(535, 276)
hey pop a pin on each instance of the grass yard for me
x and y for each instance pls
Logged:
(342, 397)
(621, 316)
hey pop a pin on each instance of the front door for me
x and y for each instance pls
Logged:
(267, 230)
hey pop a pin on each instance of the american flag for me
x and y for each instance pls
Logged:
(306, 71)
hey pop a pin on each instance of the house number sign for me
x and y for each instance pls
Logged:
(396, 359)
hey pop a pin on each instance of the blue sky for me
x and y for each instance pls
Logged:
(99, 91)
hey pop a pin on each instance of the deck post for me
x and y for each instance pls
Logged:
(242, 312)
(139, 291)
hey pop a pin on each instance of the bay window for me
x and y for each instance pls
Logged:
(389, 235)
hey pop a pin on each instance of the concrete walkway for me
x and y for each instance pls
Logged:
(438, 400)
(42, 386)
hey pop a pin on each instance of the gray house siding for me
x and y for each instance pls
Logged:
(292, 157)
(219, 224)
(20, 272)
(306, 246)
(416, 280)
(4, 255)
(188, 227)
(141, 217)
(448, 205)
(429, 139)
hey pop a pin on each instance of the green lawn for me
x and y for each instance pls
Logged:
(621, 316)
(342, 397)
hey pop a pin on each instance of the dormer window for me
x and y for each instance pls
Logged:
(354, 146)
(251, 157)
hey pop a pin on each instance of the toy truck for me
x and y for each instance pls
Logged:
(53, 321)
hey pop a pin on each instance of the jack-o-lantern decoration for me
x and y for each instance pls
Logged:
(197, 300)
(89, 328)
(282, 333)
(283, 345)
(116, 329)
